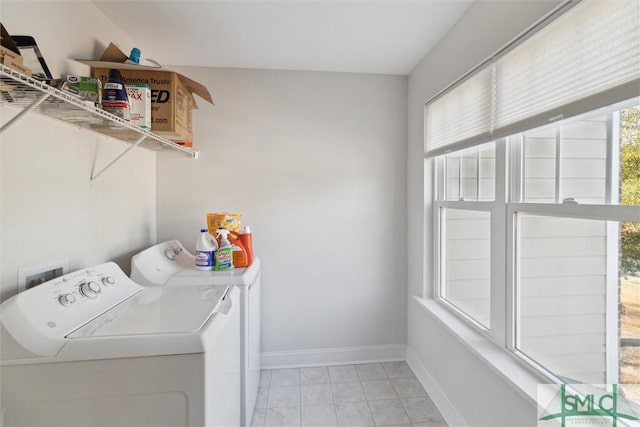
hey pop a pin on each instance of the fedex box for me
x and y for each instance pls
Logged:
(172, 100)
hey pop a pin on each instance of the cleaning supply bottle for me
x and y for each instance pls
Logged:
(114, 96)
(224, 254)
(205, 250)
(240, 257)
(247, 241)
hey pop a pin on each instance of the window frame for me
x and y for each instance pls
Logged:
(547, 105)
(496, 211)
(504, 209)
(608, 213)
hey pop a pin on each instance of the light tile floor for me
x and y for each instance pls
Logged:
(372, 394)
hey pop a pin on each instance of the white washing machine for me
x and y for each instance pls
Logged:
(169, 264)
(93, 348)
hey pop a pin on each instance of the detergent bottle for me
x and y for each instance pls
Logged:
(114, 96)
(247, 242)
(205, 250)
(240, 256)
(224, 254)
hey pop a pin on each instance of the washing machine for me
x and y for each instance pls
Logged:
(93, 348)
(169, 264)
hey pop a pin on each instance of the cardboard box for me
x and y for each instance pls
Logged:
(8, 47)
(16, 65)
(172, 98)
(8, 53)
(170, 111)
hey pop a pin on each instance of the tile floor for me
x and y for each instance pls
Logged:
(372, 394)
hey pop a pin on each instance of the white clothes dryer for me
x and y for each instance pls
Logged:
(93, 348)
(169, 264)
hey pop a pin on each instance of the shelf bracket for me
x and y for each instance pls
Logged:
(24, 112)
(96, 175)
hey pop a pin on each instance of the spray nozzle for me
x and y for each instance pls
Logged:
(224, 240)
(223, 232)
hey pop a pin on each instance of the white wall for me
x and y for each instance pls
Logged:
(48, 208)
(315, 162)
(470, 385)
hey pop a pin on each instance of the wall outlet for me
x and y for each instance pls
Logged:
(28, 277)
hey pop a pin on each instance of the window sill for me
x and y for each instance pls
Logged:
(514, 372)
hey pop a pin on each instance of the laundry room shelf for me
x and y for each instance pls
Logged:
(29, 95)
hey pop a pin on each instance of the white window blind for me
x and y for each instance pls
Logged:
(587, 58)
(589, 49)
(462, 114)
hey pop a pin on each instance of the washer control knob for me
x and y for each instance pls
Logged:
(66, 299)
(108, 280)
(90, 289)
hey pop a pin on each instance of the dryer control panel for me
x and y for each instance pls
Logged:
(41, 317)
(156, 265)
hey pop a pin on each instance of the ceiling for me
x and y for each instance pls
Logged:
(358, 36)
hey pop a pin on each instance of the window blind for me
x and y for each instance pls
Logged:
(462, 114)
(586, 58)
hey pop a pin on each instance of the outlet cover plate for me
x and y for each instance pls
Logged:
(26, 272)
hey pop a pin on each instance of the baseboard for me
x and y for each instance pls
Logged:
(333, 356)
(446, 408)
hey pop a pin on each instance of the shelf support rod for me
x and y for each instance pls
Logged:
(24, 112)
(94, 177)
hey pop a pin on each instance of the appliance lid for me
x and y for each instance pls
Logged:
(169, 263)
(156, 311)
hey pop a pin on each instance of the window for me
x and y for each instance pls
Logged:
(537, 195)
(470, 174)
(562, 292)
(466, 208)
(466, 253)
(569, 237)
(566, 162)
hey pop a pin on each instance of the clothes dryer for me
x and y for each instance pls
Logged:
(169, 264)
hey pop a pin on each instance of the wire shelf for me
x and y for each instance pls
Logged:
(18, 90)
